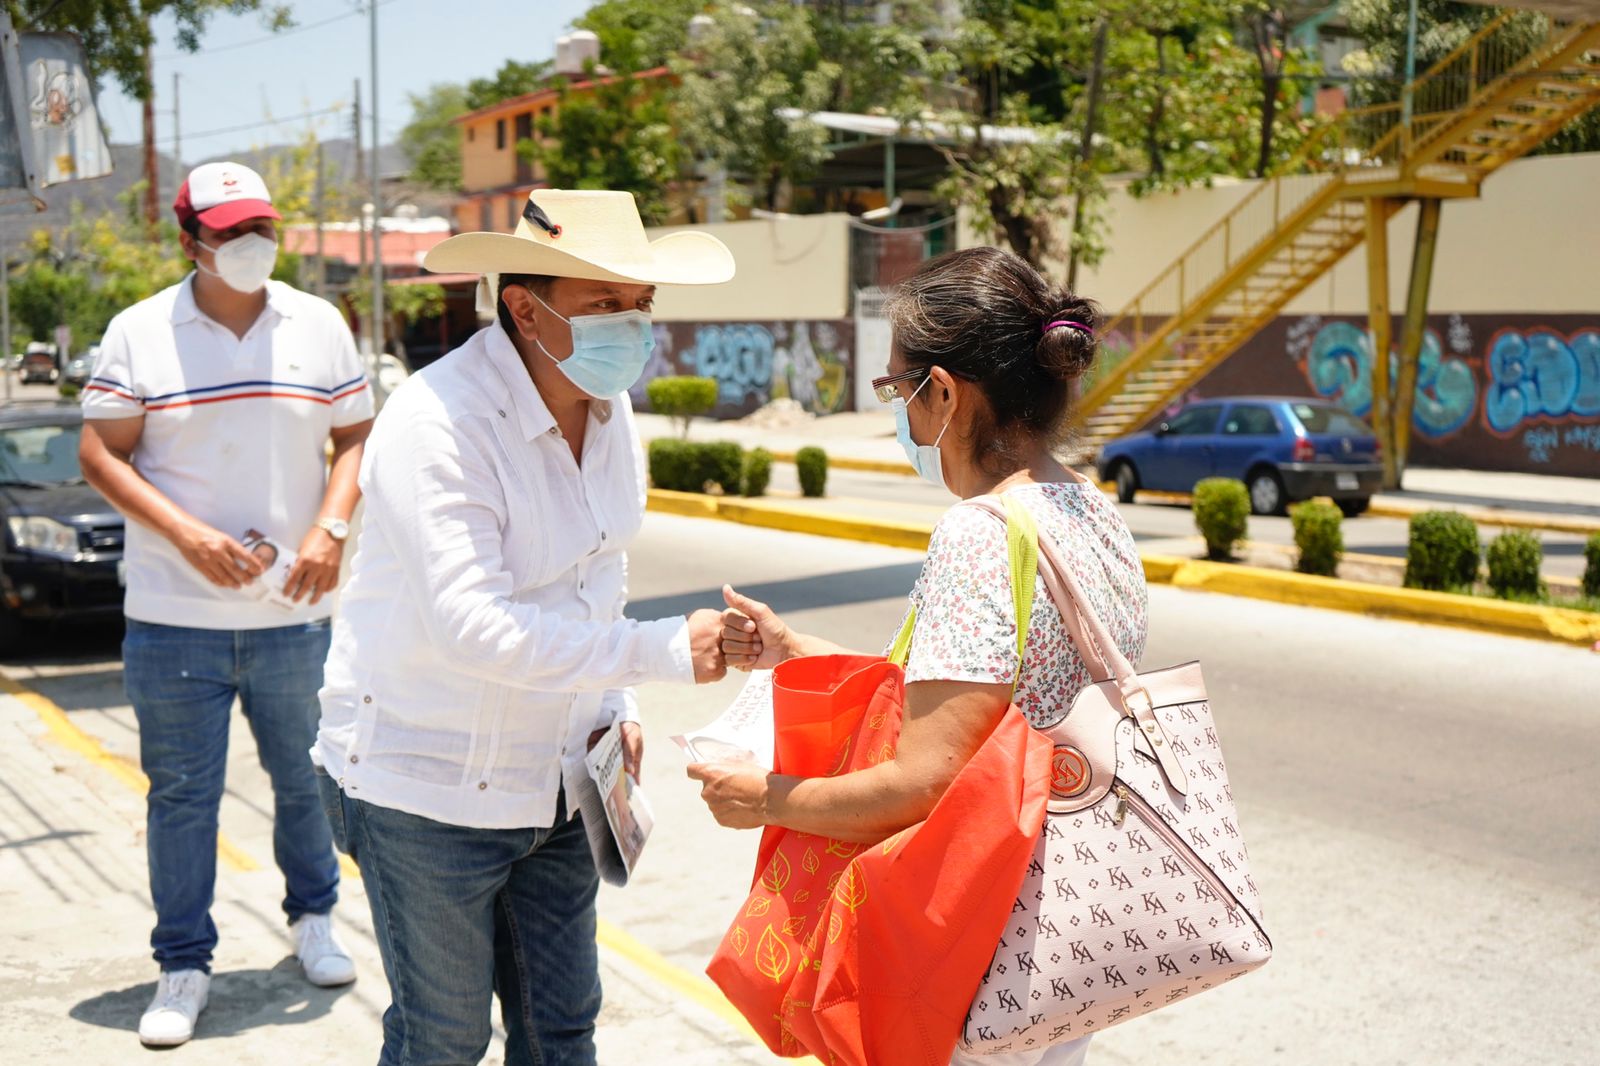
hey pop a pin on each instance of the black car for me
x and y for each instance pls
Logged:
(62, 555)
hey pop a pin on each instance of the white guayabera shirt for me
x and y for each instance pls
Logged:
(481, 637)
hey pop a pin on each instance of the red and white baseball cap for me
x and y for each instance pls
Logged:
(221, 195)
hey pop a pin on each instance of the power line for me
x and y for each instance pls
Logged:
(268, 37)
(188, 135)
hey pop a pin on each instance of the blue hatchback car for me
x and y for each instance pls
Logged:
(1283, 448)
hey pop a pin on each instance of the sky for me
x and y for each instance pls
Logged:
(245, 76)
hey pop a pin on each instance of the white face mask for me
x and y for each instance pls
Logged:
(245, 263)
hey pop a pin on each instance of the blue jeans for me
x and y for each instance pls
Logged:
(182, 684)
(463, 913)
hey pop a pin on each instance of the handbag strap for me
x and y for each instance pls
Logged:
(1094, 642)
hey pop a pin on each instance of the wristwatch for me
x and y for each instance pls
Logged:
(337, 528)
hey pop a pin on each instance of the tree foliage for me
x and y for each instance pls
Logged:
(639, 36)
(430, 140)
(512, 79)
(116, 32)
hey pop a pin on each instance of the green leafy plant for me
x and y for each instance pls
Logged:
(812, 464)
(1222, 513)
(720, 464)
(1319, 534)
(672, 466)
(681, 398)
(1515, 558)
(68, 390)
(757, 471)
(1591, 566)
(1442, 551)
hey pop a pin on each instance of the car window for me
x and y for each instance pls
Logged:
(1318, 418)
(1192, 420)
(1250, 420)
(44, 454)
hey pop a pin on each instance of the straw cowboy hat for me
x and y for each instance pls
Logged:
(597, 236)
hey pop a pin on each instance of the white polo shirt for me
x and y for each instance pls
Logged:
(235, 433)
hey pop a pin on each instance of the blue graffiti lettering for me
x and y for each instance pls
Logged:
(1339, 366)
(739, 357)
(1538, 374)
(1583, 437)
(1541, 444)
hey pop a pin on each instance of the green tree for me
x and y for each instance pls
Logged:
(512, 79)
(116, 33)
(403, 305)
(617, 136)
(637, 35)
(430, 140)
(748, 67)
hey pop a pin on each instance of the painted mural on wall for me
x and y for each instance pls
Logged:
(1494, 392)
(754, 363)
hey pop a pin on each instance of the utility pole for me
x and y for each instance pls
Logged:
(377, 199)
(1086, 149)
(320, 209)
(152, 180)
(363, 321)
(177, 139)
(5, 315)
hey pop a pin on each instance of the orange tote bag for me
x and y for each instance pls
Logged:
(869, 954)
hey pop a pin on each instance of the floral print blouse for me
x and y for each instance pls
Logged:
(966, 624)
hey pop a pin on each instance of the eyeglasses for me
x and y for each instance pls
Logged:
(887, 389)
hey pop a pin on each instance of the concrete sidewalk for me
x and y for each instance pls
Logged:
(1537, 501)
(75, 970)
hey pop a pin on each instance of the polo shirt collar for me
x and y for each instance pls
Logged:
(184, 309)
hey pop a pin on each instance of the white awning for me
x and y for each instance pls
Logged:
(882, 127)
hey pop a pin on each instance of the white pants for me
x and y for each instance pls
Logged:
(1072, 1053)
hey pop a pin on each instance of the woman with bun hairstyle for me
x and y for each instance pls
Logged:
(985, 355)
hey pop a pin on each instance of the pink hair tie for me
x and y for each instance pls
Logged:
(1069, 324)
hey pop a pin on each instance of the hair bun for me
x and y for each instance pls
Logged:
(1067, 343)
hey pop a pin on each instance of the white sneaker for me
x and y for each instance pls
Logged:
(180, 997)
(323, 958)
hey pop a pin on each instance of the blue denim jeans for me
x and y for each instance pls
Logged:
(182, 684)
(461, 914)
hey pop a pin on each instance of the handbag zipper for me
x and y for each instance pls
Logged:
(1127, 798)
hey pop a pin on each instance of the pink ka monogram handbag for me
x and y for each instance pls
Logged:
(1139, 892)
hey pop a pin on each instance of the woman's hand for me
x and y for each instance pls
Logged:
(753, 637)
(736, 792)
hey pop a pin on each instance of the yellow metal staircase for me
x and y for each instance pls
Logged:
(1500, 95)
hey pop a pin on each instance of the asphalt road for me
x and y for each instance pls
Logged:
(1418, 802)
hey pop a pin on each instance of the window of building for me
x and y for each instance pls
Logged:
(471, 132)
(500, 133)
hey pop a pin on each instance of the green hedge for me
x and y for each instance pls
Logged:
(1222, 512)
(1442, 552)
(812, 464)
(757, 471)
(1319, 534)
(1591, 565)
(686, 466)
(681, 398)
(1515, 559)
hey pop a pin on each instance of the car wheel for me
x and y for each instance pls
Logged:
(1266, 492)
(1351, 508)
(1127, 481)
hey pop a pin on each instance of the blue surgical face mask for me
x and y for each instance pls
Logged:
(924, 458)
(609, 352)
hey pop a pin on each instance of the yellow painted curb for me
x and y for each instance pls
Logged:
(1489, 516)
(912, 535)
(865, 466)
(1439, 608)
(64, 731)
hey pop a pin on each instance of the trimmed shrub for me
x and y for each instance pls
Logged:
(757, 471)
(1222, 513)
(1319, 534)
(673, 466)
(720, 464)
(812, 463)
(1591, 566)
(1442, 551)
(1515, 558)
(681, 398)
(69, 390)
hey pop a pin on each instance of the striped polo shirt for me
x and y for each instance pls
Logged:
(235, 431)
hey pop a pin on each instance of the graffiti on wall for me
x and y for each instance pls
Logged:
(1337, 360)
(754, 363)
(1538, 375)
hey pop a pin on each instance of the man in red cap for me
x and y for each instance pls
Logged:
(208, 415)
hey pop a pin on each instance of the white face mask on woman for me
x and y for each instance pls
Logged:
(244, 264)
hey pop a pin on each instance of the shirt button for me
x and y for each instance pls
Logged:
(482, 785)
(602, 534)
(554, 432)
(502, 414)
(366, 699)
(355, 758)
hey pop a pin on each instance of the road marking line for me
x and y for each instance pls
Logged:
(64, 731)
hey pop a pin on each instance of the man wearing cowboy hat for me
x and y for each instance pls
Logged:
(481, 641)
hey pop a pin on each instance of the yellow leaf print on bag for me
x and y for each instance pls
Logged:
(877, 721)
(843, 850)
(802, 895)
(809, 861)
(793, 926)
(894, 841)
(741, 940)
(772, 955)
(844, 757)
(777, 873)
(758, 906)
(852, 890)
(835, 928)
